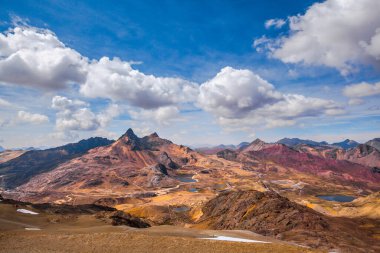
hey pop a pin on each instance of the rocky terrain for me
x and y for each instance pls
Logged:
(129, 164)
(345, 172)
(7, 155)
(271, 214)
(22, 168)
(94, 228)
(271, 189)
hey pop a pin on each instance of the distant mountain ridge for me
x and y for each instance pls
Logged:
(292, 142)
(307, 159)
(374, 143)
(214, 149)
(347, 144)
(19, 170)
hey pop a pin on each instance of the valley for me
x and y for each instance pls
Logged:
(174, 188)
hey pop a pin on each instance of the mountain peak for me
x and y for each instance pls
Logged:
(129, 138)
(254, 146)
(292, 142)
(374, 143)
(154, 135)
(258, 141)
(346, 144)
(129, 134)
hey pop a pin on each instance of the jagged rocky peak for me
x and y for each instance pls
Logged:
(153, 135)
(131, 139)
(129, 134)
(258, 141)
(255, 145)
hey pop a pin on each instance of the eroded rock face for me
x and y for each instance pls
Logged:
(167, 161)
(121, 218)
(266, 213)
(227, 154)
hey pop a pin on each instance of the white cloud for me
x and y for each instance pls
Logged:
(373, 46)
(234, 93)
(33, 118)
(336, 33)
(276, 23)
(356, 101)
(4, 122)
(117, 80)
(362, 90)
(240, 98)
(294, 106)
(111, 112)
(75, 115)
(4, 103)
(162, 115)
(35, 57)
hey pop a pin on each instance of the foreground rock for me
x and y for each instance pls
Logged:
(59, 211)
(268, 213)
(121, 218)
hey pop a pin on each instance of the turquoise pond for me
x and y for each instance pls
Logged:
(185, 178)
(337, 198)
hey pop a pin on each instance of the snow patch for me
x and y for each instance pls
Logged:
(26, 211)
(233, 239)
(32, 229)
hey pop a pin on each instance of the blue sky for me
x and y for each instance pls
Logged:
(189, 43)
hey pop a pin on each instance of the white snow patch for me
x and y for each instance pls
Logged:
(233, 239)
(26, 211)
(32, 229)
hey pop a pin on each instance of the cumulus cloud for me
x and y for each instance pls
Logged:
(75, 115)
(117, 80)
(33, 118)
(357, 91)
(4, 103)
(336, 33)
(356, 101)
(276, 23)
(111, 112)
(162, 116)
(363, 89)
(241, 98)
(235, 93)
(35, 57)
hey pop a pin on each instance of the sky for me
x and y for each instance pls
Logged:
(196, 72)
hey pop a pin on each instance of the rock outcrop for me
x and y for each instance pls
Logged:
(268, 213)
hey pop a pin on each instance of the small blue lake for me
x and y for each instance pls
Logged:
(185, 178)
(337, 198)
(181, 209)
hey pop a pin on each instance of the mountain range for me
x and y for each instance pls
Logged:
(269, 188)
(290, 142)
(31, 163)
